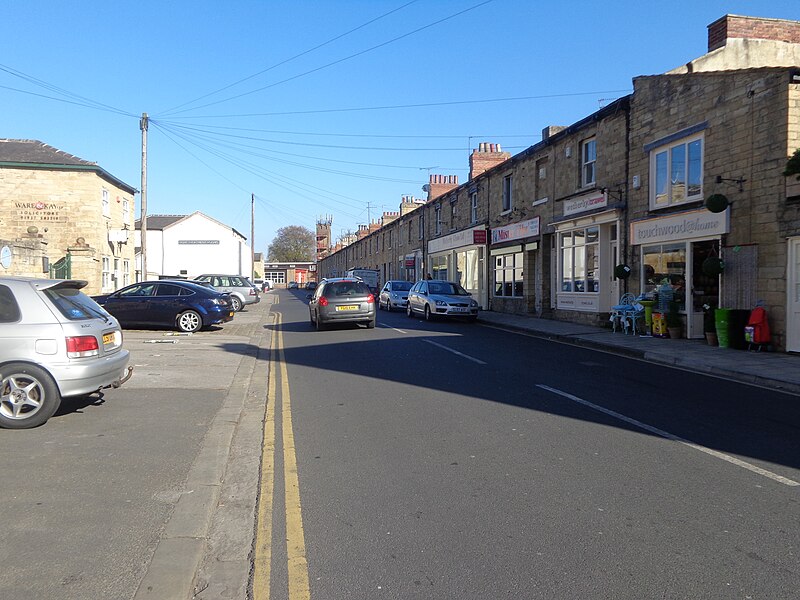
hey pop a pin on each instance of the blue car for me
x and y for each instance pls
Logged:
(183, 305)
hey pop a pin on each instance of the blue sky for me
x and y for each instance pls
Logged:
(323, 107)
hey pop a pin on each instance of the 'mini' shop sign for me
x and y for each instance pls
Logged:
(683, 226)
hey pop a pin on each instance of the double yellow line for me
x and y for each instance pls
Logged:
(295, 538)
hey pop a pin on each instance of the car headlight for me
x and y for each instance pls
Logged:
(473, 303)
(441, 303)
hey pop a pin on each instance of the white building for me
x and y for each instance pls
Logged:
(190, 245)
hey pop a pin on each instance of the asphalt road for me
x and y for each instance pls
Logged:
(441, 460)
(451, 460)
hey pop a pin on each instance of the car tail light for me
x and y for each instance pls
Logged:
(370, 299)
(323, 301)
(253, 292)
(81, 346)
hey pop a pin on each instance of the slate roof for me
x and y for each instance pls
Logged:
(158, 222)
(36, 154)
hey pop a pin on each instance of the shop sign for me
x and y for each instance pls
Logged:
(478, 236)
(682, 226)
(41, 211)
(516, 231)
(454, 240)
(585, 203)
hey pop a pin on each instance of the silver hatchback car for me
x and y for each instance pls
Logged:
(438, 298)
(241, 290)
(55, 342)
(341, 300)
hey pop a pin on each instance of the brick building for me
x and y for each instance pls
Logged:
(65, 216)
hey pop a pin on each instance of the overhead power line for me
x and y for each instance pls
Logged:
(296, 56)
(341, 60)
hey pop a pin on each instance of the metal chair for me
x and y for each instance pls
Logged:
(619, 312)
(633, 318)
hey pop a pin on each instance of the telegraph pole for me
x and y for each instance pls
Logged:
(143, 124)
(252, 237)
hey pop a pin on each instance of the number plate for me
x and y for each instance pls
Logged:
(347, 307)
(109, 339)
(458, 309)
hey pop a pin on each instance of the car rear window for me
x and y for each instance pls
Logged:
(9, 309)
(74, 304)
(346, 288)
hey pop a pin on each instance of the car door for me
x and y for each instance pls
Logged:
(130, 305)
(165, 304)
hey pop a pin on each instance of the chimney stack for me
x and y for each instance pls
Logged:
(441, 184)
(486, 157)
(754, 28)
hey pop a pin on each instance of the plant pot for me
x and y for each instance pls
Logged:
(674, 333)
(711, 338)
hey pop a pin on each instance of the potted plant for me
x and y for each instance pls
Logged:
(674, 320)
(709, 325)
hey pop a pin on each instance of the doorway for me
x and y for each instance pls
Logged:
(793, 297)
(704, 288)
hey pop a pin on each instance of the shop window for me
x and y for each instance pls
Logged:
(665, 264)
(588, 161)
(508, 275)
(439, 267)
(676, 173)
(508, 193)
(580, 260)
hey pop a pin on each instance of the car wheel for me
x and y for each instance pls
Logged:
(189, 321)
(371, 324)
(388, 306)
(318, 321)
(28, 396)
(311, 317)
(409, 312)
(428, 315)
(237, 304)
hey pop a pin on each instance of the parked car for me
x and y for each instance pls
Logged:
(341, 300)
(55, 342)
(241, 290)
(394, 295)
(436, 297)
(184, 305)
(311, 285)
(292, 285)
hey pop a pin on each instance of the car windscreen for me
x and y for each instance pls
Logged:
(74, 304)
(401, 286)
(448, 289)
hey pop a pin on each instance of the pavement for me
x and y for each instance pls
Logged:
(775, 370)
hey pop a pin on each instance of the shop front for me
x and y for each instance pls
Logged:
(460, 257)
(410, 266)
(673, 249)
(513, 251)
(586, 251)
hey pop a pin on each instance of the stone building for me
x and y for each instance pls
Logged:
(640, 194)
(65, 216)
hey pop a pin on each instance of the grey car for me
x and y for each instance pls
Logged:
(341, 300)
(241, 290)
(394, 295)
(55, 342)
(438, 298)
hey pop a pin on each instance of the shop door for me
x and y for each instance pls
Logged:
(793, 297)
(704, 288)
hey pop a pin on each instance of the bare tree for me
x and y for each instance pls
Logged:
(292, 243)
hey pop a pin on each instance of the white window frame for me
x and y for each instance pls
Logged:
(672, 195)
(105, 280)
(589, 162)
(574, 259)
(126, 211)
(437, 211)
(126, 272)
(473, 210)
(508, 269)
(106, 203)
(508, 194)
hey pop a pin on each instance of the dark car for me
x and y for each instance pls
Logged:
(341, 300)
(183, 305)
(311, 285)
